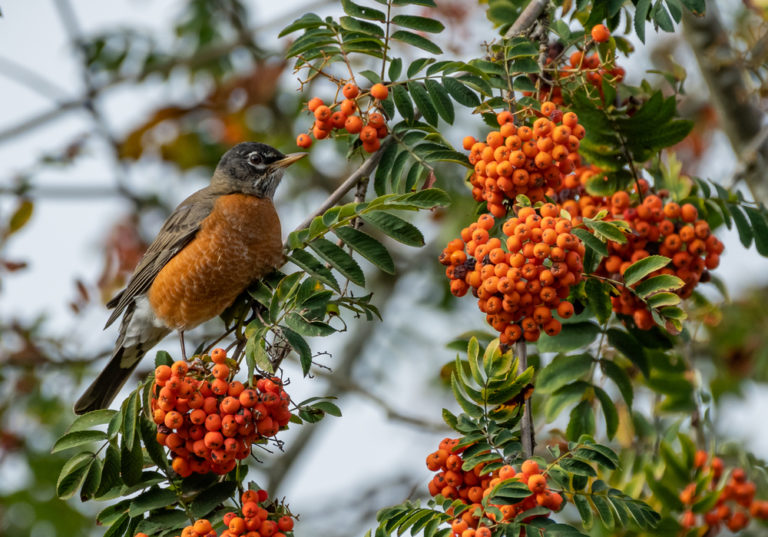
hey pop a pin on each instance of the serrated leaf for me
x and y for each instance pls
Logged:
(423, 102)
(440, 100)
(564, 396)
(212, 497)
(131, 463)
(308, 328)
(308, 20)
(628, 345)
(423, 24)
(468, 406)
(590, 241)
(460, 93)
(662, 282)
(355, 25)
(607, 230)
(619, 377)
(130, 419)
(416, 41)
(599, 297)
(339, 259)
(300, 346)
(585, 511)
(364, 12)
(403, 104)
(73, 474)
(642, 268)
(760, 228)
(77, 438)
(309, 263)
(609, 412)
(742, 225)
(395, 227)
(110, 471)
(151, 499)
(572, 336)
(395, 68)
(562, 370)
(581, 421)
(92, 480)
(91, 419)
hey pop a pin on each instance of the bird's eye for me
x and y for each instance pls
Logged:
(255, 158)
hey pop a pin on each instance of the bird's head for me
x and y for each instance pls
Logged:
(252, 168)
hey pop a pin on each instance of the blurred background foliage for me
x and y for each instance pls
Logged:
(228, 82)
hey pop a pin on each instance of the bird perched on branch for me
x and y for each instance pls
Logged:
(213, 245)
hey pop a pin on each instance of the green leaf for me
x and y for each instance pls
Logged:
(609, 411)
(130, 418)
(91, 419)
(403, 103)
(640, 269)
(619, 377)
(339, 259)
(422, 24)
(590, 241)
(20, 216)
(564, 396)
(148, 431)
(582, 421)
(742, 225)
(663, 282)
(417, 65)
(110, 471)
(440, 100)
(309, 20)
(395, 227)
(562, 370)
(585, 511)
(356, 25)
(355, 10)
(422, 100)
(308, 328)
(300, 346)
(256, 354)
(395, 68)
(368, 247)
(78, 438)
(151, 499)
(92, 480)
(662, 18)
(307, 261)
(385, 165)
(468, 406)
(626, 344)
(607, 230)
(72, 474)
(416, 40)
(118, 527)
(131, 463)
(760, 228)
(599, 296)
(572, 336)
(460, 93)
(663, 299)
(212, 497)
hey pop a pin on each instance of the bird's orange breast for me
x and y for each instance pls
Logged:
(239, 242)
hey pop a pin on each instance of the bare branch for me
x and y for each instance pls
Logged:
(526, 18)
(526, 432)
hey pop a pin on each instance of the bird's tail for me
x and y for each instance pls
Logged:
(136, 338)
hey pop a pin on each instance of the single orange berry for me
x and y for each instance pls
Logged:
(219, 356)
(302, 140)
(314, 103)
(323, 113)
(379, 91)
(600, 33)
(353, 124)
(350, 90)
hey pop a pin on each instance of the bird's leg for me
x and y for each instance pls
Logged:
(183, 350)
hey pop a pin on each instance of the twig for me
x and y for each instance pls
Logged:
(526, 18)
(363, 171)
(526, 432)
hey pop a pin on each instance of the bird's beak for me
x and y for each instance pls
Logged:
(288, 159)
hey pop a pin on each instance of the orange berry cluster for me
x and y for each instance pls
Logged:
(254, 520)
(735, 505)
(661, 228)
(208, 420)
(519, 287)
(370, 127)
(524, 160)
(472, 486)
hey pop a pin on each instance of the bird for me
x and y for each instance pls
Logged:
(211, 248)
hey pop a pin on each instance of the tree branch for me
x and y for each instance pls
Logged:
(526, 18)
(740, 116)
(526, 431)
(363, 171)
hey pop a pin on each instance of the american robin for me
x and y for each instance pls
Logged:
(214, 244)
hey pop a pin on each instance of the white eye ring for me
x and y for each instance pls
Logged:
(255, 158)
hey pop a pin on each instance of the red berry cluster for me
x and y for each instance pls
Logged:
(521, 282)
(735, 505)
(208, 420)
(473, 486)
(256, 519)
(370, 127)
(524, 160)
